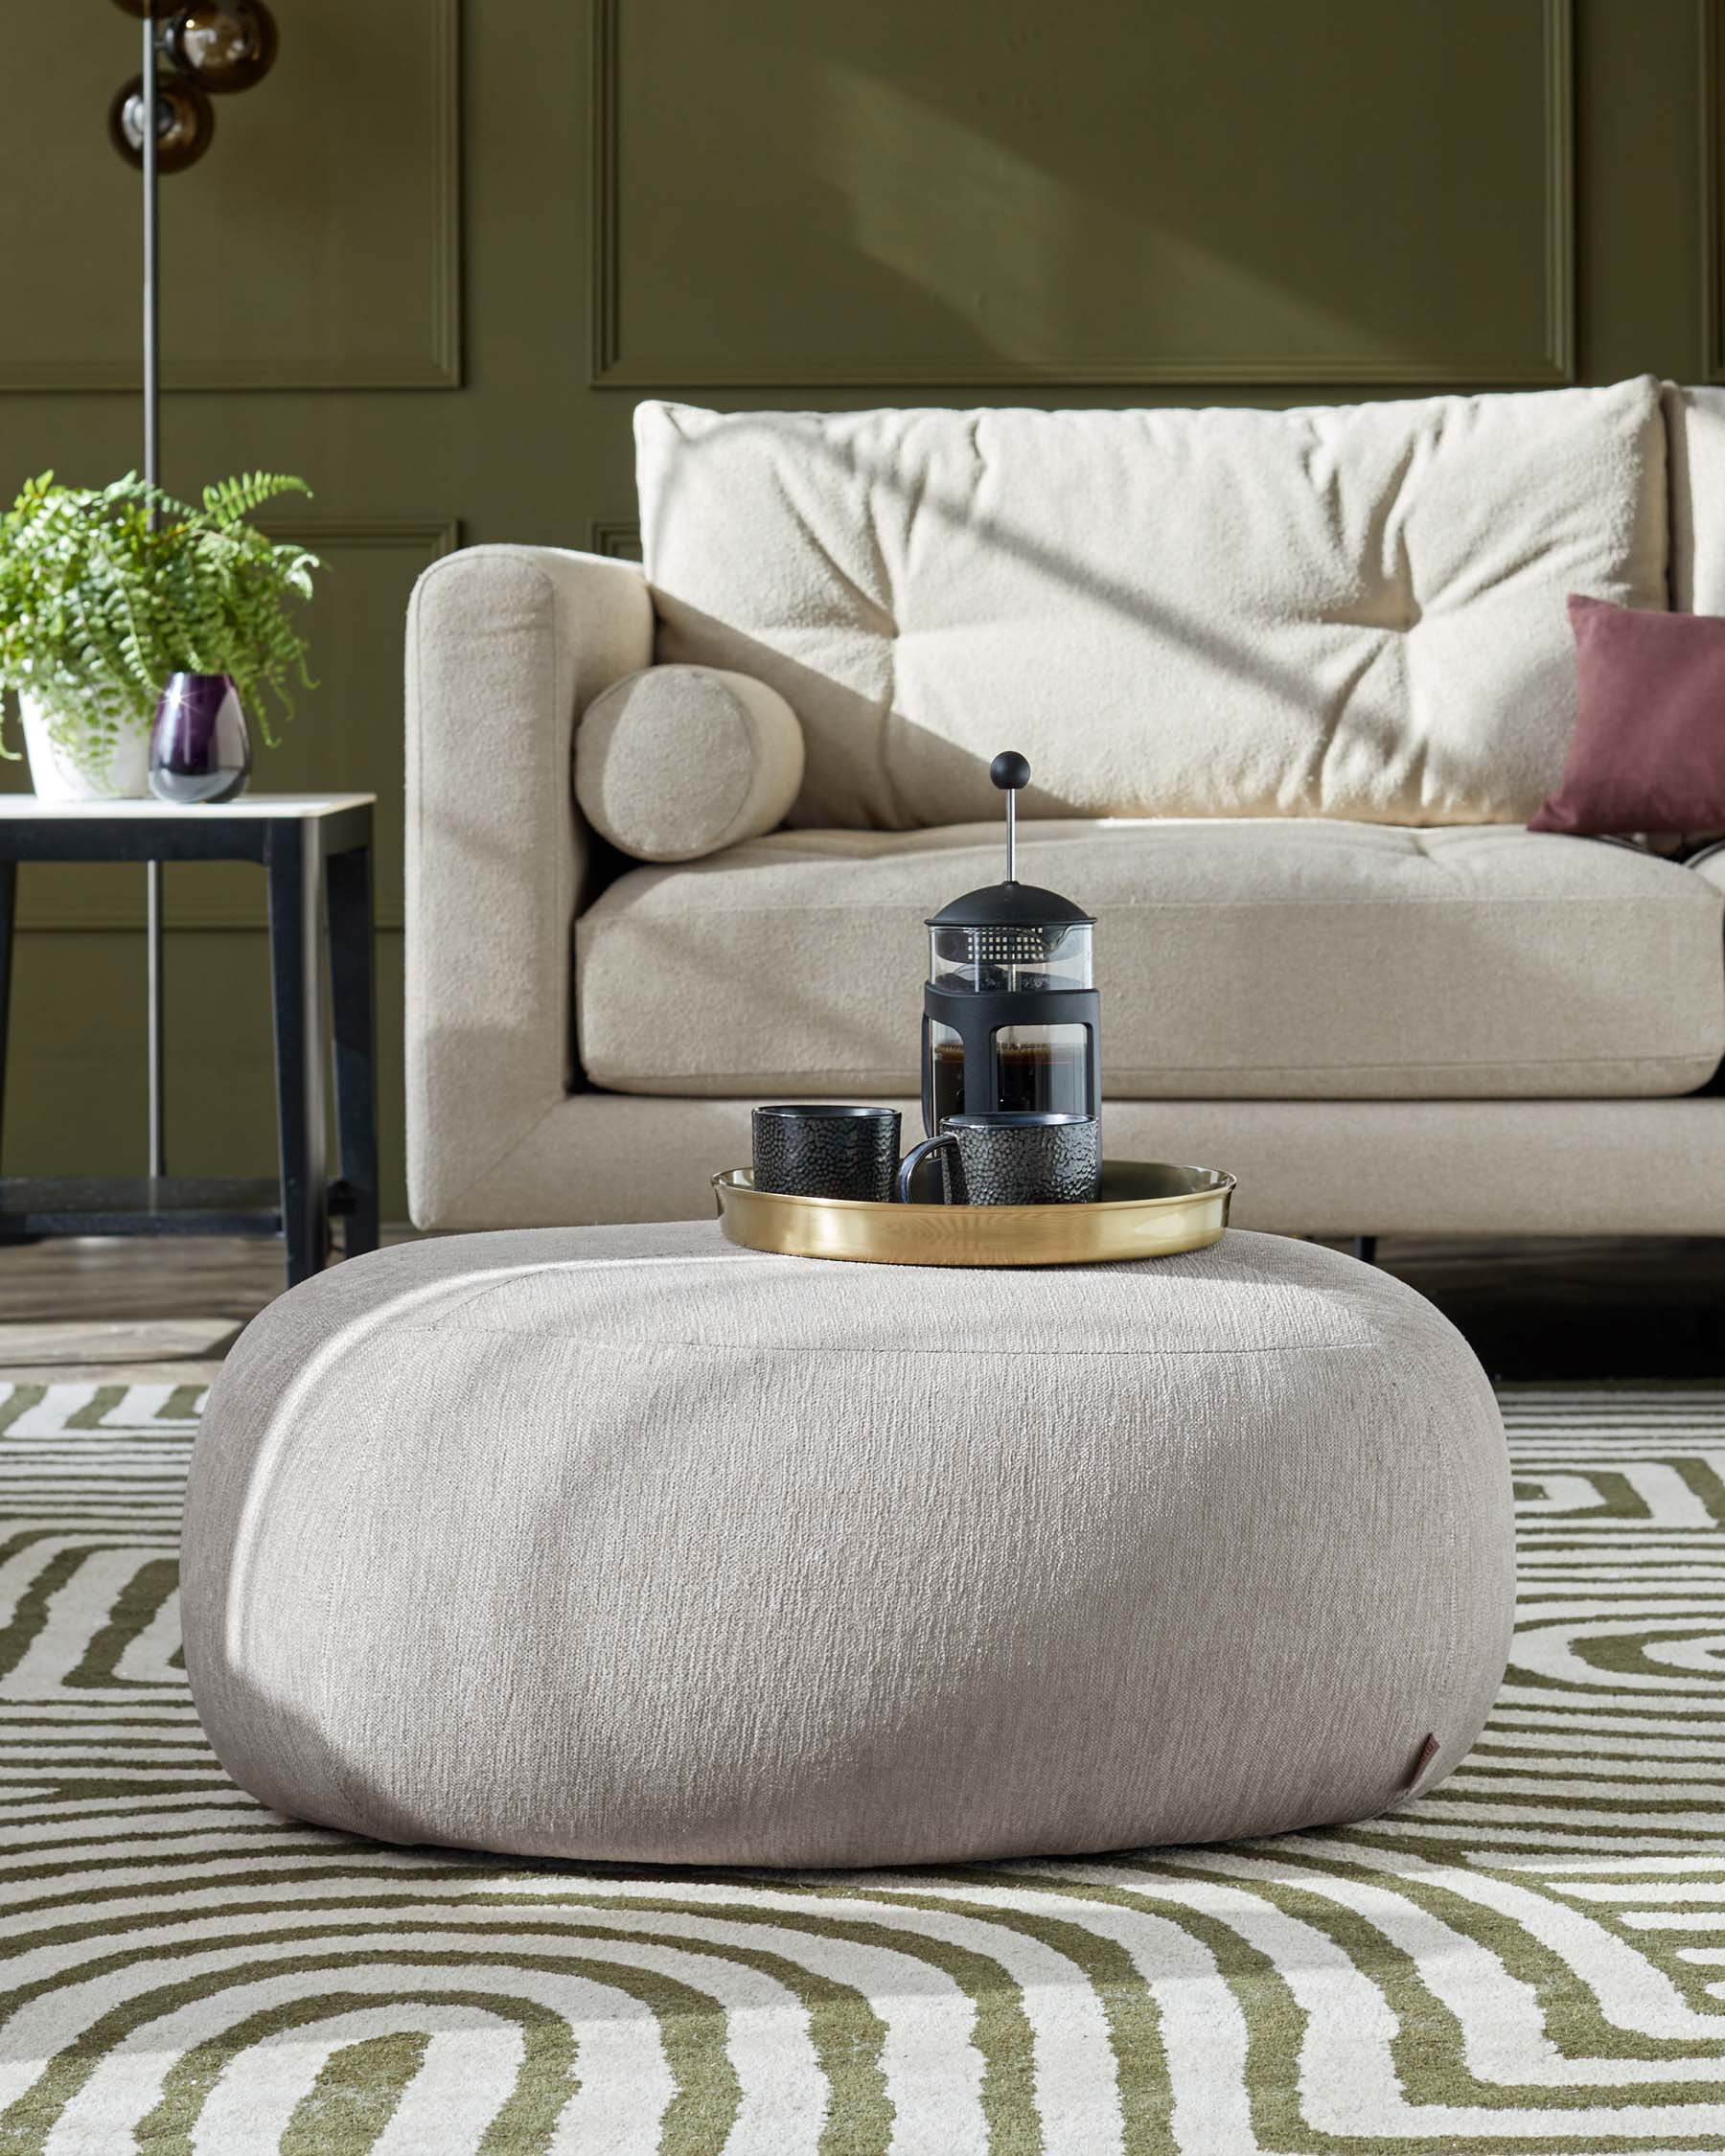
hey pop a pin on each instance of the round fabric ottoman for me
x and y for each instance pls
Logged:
(627, 1544)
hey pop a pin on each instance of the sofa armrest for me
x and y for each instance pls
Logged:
(506, 646)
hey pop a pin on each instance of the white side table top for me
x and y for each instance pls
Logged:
(25, 808)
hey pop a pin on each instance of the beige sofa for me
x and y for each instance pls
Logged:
(1291, 684)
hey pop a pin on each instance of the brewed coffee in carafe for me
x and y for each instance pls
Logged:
(1033, 1077)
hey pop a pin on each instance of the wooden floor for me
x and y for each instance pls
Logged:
(165, 1307)
(1597, 1308)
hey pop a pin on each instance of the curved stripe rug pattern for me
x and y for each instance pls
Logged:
(1530, 1959)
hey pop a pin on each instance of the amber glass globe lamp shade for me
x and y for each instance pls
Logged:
(222, 45)
(184, 122)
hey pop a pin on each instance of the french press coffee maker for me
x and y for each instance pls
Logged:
(1010, 1015)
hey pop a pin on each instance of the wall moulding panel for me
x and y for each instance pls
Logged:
(620, 537)
(317, 244)
(1711, 14)
(784, 196)
(346, 737)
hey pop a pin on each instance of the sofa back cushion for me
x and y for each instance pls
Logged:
(1354, 611)
(1695, 451)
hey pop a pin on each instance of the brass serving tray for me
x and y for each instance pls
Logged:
(1147, 1209)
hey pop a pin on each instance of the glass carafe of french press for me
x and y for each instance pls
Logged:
(1010, 1013)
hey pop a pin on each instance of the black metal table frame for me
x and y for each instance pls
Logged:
(299, 854)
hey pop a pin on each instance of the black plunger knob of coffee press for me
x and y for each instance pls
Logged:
(1010, 771)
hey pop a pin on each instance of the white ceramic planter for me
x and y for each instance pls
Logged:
(55, 776)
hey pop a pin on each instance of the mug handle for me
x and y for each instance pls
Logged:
(912, 1159)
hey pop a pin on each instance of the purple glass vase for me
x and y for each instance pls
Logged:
(200, 750)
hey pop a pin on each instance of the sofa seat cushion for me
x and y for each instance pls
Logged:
(1351, 610)
(1274, 959)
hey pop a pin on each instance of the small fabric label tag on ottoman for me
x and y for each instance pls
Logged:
(1428, 1751)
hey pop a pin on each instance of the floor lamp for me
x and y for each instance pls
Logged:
(192, 49)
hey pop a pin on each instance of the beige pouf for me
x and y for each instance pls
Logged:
(623, 1543)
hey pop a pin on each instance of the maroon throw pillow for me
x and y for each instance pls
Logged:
(1648, 749)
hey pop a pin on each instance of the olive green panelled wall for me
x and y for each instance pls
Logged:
(433, 260)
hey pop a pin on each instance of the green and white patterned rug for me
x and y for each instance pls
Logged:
(1530, 1959)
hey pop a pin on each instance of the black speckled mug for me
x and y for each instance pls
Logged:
(1013, 1160)
(819, 1149)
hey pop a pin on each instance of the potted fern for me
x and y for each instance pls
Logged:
(110, 594)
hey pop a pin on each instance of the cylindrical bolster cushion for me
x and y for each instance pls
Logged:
(678, 761)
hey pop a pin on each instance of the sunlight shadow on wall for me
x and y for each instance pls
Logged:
(1012, 248)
